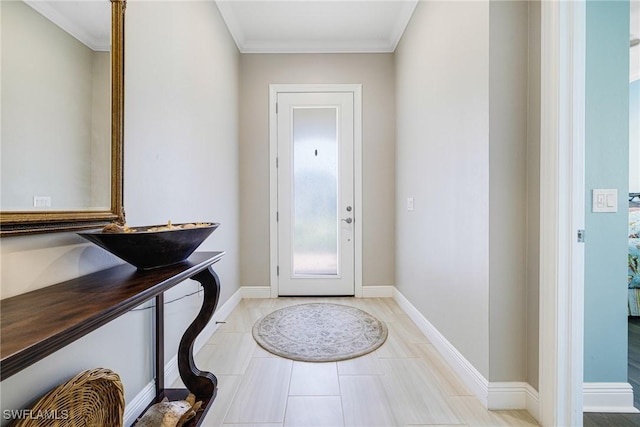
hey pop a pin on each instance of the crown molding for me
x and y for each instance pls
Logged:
(382, 45)
(70, 25)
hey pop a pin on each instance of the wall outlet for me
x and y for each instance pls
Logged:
(41, 201)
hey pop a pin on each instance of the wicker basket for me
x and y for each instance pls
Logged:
(93, 398)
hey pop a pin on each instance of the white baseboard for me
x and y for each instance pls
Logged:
(384, 291)
(608, 397)
(496, 395)
(138, 404)
(598, 397)
(533, 402)
(469, 375)
(513, 395)
(171, 372)
(250, 292)
(220, 314)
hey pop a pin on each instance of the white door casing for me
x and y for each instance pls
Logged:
(291, 273)
(563, 26)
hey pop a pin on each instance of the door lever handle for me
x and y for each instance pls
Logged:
(348, 220)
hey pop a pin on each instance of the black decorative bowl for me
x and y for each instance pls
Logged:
(146, 249)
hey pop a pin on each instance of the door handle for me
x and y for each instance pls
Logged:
(348, 220)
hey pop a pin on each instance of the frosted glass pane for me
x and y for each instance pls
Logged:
(315, 191)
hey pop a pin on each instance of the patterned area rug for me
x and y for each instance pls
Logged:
(319, 332)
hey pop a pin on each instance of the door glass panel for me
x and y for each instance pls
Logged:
(315, 191)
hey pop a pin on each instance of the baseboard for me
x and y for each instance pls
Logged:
(384, 291)
(608, 397)
(469, 375)
(220, 314)
(492, 395)
(495, 396)
(513, 395)
(250, 292)
(533, 402)
(598, 397)
(171, 373)
(139, 403)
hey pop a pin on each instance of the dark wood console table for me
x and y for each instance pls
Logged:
(38, 323)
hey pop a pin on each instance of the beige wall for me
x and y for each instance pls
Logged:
(181, 163)
(508, 61)
(375, 72)
(533, 195)
(462, 153)
(442, 103)
(181, 141)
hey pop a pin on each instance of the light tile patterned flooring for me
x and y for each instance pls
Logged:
(405, 382)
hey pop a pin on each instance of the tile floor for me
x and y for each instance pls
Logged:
(405, 382)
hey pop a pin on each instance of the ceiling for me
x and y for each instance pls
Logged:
(87, 21)
(316, 26)
(279, 26)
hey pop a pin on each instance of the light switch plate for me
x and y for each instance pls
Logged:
(410, 206)
(605, 200)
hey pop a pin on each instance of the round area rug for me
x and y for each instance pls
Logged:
(319, 332)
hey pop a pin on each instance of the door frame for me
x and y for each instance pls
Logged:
(562, 210)
(356, 90)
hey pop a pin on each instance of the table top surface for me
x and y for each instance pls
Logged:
(37, 323)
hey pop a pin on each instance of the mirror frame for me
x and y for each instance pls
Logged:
(30, 222)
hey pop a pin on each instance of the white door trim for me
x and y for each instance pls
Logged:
(274, 89)
(562, 209)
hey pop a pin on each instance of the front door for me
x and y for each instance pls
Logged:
(316, 212)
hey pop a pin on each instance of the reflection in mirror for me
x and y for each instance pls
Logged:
(56, 106)
(62, 115)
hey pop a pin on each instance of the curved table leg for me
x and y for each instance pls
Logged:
(202, 384)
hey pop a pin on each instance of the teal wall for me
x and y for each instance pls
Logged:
(606, 166)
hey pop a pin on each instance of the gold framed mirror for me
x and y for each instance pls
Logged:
(36, 213)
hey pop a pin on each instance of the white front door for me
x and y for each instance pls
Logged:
(316, 211)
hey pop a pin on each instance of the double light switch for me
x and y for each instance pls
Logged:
(605, 200)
